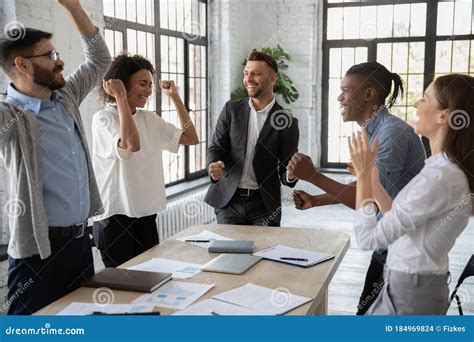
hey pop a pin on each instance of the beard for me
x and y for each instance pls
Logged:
(260, 91)
(255, 93)
(48, 78)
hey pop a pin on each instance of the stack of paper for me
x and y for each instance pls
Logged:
(262, 299)
(175, 295)
(213, 307)
(180, 270)
(79, 309)
(293, 256)
(206, 237)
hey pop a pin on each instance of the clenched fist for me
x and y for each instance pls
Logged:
(301, 166)
(169, 87)
(114, 88)
(302, 200)
(216, 170)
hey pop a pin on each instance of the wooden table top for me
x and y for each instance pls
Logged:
(310, 282)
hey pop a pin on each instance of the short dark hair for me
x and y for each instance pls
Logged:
(122, 68)
(19, 41)
(379, 77)
(261, 56)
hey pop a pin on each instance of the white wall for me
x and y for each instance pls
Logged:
(238, 26)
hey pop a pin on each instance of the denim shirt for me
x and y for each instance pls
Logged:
(401, 154)
(20, 131)
(64, 164)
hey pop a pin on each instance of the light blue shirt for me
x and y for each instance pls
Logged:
(64, 165)
(401, 154)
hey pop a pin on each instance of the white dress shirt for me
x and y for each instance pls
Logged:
(256, 121)
(426, 217)
(131, 183)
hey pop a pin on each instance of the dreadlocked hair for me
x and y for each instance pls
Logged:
(379, 77)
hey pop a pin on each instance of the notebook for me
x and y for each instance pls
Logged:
(232, 246)
(293, 256)
(231, 263)
(128, 280)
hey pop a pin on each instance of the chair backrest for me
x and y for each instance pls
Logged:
(466, 273)
(468, 270)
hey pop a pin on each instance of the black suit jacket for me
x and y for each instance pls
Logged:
(277, 142)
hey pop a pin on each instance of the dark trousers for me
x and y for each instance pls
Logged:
(121, 238)
(247, 210)
(34, 283)
(373, 281)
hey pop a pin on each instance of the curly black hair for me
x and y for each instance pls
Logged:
(122, 68)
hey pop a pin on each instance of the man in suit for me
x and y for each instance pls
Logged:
(252, 143)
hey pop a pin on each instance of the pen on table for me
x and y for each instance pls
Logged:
(153, 313)
(197, 240)
(213, 313)
(293, 259)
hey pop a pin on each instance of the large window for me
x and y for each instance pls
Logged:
(419, 40)
(172, 35)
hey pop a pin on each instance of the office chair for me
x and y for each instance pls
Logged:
(467, 272)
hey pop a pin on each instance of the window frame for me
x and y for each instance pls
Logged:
(430, 39)
(121, 25)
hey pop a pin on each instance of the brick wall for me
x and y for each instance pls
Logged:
(236, 27)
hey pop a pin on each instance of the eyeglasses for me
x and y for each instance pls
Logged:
(52, 55)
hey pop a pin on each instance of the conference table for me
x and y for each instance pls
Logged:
(312, 282)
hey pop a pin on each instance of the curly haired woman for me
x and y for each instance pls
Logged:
(127, 155)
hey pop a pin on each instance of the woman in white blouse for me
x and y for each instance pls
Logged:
(128, 143)
(421, 225)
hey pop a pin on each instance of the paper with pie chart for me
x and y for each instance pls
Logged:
(175, 295)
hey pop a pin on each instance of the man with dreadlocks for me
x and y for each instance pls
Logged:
(364, 90)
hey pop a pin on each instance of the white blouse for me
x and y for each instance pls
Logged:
(131, 183)
(426, 218)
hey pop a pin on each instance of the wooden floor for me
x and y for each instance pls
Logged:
(347, 284)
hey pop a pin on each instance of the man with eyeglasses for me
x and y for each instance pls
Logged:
(52, 185)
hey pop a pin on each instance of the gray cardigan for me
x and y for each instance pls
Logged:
(21, 152)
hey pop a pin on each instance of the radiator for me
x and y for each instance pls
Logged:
(183, 213)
